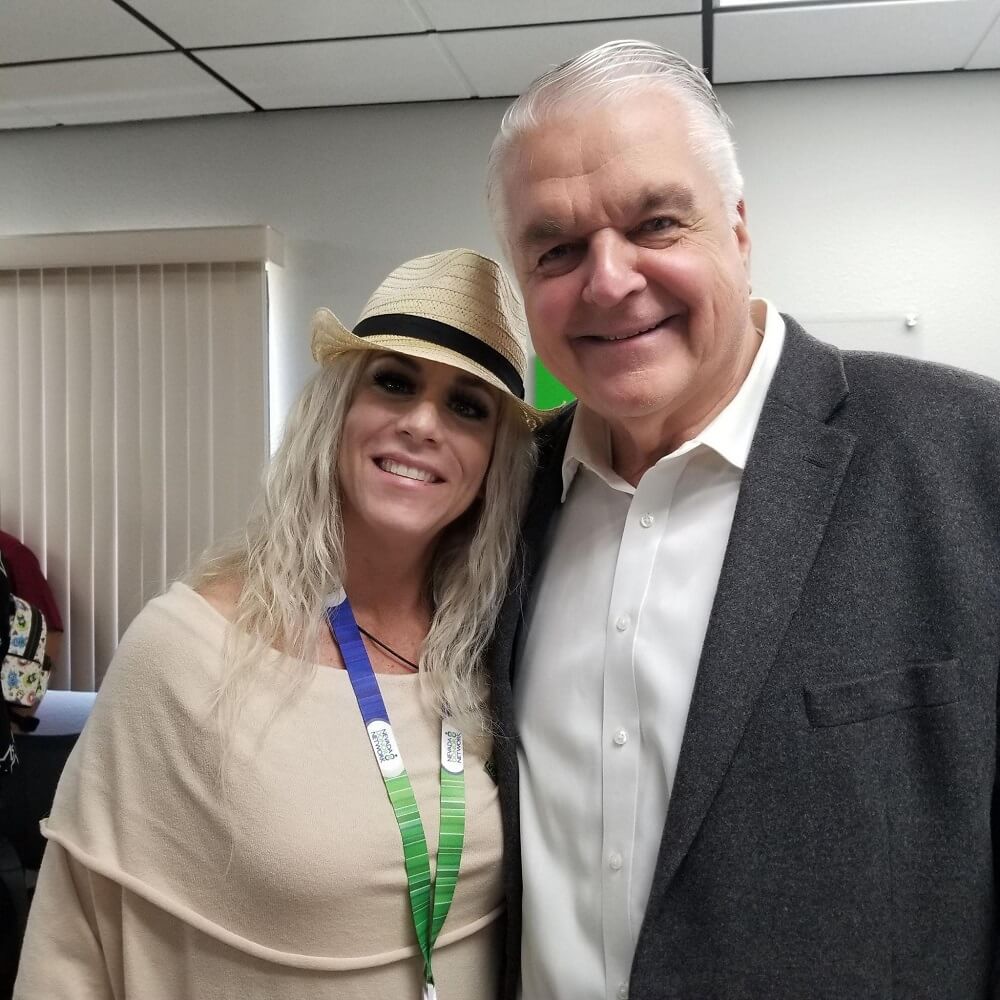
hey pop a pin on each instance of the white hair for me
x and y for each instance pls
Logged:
(610, 72)
(290, 557)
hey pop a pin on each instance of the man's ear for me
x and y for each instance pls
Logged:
(742, 232)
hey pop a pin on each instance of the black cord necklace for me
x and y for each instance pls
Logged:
(378, 642)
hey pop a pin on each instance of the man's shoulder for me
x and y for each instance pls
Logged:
(911, 390)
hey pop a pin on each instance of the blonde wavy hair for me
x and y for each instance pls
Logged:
(290, 557)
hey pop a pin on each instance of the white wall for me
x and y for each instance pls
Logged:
(880, 195)
(864, 195)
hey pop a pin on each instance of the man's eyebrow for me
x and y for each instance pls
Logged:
(542, 231)
(677, 197)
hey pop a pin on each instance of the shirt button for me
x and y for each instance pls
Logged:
(623, 623)
(623, 991)
(647, 520)
(621, 738)
(615, 861)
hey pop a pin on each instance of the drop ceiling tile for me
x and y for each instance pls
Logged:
(196, 23)
(359, 71)
(987, 54)
(846, 39)
(57, 29)
(501, 62)
(449, 15)
(119, 89)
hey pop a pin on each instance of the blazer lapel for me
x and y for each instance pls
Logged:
(542, 507)
(793, 473)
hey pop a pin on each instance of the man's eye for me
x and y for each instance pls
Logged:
(469, 407)
(393, 382)
(553, 254)
(659, 224)
(559, 258)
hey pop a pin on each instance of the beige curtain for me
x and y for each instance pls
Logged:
(133, 426)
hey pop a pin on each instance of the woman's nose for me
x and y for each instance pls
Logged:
(421, 420)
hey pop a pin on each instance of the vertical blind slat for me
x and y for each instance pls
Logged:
(175, 417)
(104, 498)
(127, 460)
(199, 406)
(224, 397)
(10, 417)
(54, 551)
(30, 493)
(79, 640)
(151, 429)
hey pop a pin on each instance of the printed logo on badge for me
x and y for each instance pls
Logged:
(386, 750)
(452, 755)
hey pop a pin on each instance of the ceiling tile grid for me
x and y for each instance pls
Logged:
(200, 23)
(987, 53)
(502, 62)
(32, 30)
(360, 71)
(76, 61)
(167, 85)
(451, 15)
(828, 40)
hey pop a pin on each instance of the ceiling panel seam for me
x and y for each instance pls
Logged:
(708, 38)
(417, 9)
(450, 59)
(69, 59)
(979, 44)
(142, 19)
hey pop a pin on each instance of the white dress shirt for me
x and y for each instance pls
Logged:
(604, 682)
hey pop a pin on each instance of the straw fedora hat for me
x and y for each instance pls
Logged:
(456, 307)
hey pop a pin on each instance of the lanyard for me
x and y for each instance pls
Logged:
(429, 904)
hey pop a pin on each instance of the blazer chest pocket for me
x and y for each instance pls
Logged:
(913, 685)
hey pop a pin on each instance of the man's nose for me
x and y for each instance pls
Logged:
(614, 273)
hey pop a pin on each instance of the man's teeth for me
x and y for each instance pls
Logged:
(407, 471)
(629, 336)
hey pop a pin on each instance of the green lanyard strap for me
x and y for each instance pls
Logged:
(429, 902)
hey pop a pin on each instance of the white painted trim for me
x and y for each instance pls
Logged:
(222, 244)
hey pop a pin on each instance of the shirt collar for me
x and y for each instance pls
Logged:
(730, 434)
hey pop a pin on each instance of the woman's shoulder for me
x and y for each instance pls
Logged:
(222, 594)
(173, 633)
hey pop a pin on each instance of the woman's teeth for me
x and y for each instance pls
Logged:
(407, 471)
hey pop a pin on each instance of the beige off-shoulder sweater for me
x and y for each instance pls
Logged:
(158, 883)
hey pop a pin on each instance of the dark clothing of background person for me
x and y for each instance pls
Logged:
(27, 580)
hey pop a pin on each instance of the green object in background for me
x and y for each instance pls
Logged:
(549, 391)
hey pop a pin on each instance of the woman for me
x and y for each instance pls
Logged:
(226, 826)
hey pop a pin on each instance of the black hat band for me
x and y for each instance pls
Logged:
(433, 332)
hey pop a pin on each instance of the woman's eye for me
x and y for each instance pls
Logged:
(471, 409)
(393, 382)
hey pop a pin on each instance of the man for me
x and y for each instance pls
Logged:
(748, 675)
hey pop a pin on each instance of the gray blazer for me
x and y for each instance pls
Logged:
(831, 832)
